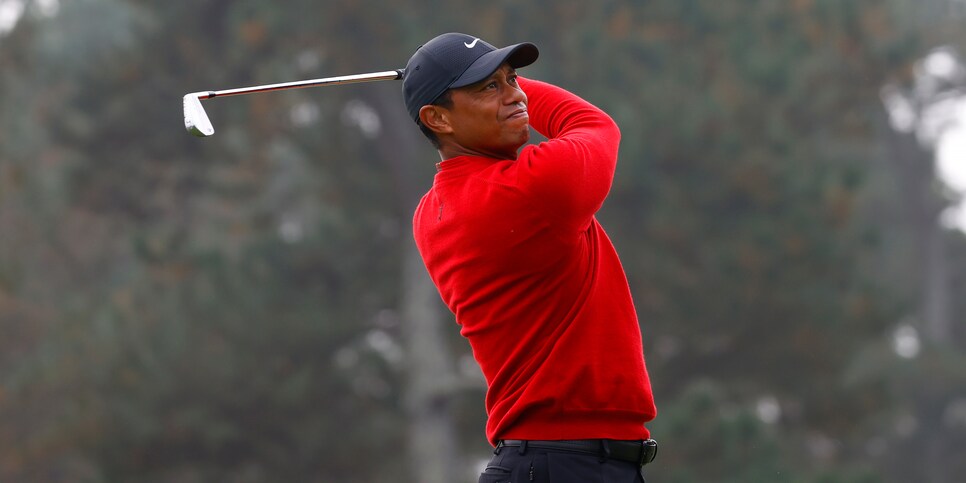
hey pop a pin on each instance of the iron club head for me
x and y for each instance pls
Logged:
(195, 118)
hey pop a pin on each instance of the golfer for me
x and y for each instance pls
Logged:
(510, 239)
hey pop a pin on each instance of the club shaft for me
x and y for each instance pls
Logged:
(327, 81)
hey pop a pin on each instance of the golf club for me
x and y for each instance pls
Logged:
(196, 120)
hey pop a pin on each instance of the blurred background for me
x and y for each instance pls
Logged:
(250, 307)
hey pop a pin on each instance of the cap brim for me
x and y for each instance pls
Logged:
(517, 55)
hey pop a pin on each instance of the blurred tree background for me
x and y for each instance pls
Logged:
(250, 308)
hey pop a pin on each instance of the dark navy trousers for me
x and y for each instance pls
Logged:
(524, 465)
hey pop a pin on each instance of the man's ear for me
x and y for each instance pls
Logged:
(435, 118)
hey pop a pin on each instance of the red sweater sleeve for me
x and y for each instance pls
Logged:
(573, 170)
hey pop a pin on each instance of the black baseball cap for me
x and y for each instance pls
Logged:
(456, 60)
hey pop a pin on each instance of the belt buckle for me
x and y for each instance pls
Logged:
(648, 452)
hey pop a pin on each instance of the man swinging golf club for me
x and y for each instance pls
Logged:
(510, 239)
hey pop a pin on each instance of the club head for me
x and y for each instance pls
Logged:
(195, 118)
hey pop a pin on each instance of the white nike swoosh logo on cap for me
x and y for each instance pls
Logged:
(471, 44)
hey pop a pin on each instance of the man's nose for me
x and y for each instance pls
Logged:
(514, 95)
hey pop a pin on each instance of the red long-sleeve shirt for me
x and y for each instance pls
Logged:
(517, 254)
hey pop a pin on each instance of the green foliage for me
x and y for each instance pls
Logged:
(727, 436)
(175, 309)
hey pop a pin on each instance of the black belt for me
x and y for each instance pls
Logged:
(639, 453)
